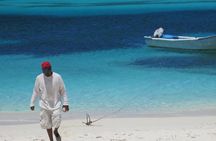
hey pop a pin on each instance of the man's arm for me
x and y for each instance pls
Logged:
(34, 95)
(64, 95)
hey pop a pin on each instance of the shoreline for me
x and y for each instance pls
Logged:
(19, 118)
(121, 129)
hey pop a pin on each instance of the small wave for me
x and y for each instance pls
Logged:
(98, 4)
(8, 42)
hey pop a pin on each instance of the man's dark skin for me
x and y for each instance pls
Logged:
(48, 72)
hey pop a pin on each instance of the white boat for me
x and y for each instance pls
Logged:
(182, 42)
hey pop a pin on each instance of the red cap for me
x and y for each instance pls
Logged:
(45, 65)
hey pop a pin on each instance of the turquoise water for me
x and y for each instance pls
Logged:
(100, 7)
(103, 59)
(142, 80)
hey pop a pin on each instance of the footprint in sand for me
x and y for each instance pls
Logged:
(130, 134)
(99, 137)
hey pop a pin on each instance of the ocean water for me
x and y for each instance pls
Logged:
(100, 7)
(104, 61)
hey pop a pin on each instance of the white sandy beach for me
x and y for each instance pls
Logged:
(198, 128)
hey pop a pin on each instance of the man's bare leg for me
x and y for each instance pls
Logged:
(57, 135)
(50, 134)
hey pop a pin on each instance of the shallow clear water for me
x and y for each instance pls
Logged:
(142, 80)
(105, 62)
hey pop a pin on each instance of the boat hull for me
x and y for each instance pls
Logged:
(199, 43)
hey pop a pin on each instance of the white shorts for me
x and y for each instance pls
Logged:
(49, 119)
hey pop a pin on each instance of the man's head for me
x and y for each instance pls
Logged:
(46, 68)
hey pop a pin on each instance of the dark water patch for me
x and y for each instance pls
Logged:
(208, 52)
(178, 62)
(53, 35)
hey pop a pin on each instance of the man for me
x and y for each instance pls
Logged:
(158, 33)
(50, 88)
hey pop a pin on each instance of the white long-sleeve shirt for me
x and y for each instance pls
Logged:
(51, 91)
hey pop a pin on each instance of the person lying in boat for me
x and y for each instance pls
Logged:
(158, 33)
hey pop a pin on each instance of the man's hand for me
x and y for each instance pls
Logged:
(32, 108)
(65, 108)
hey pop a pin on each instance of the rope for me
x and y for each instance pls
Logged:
(89, 121)
(88, 118)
